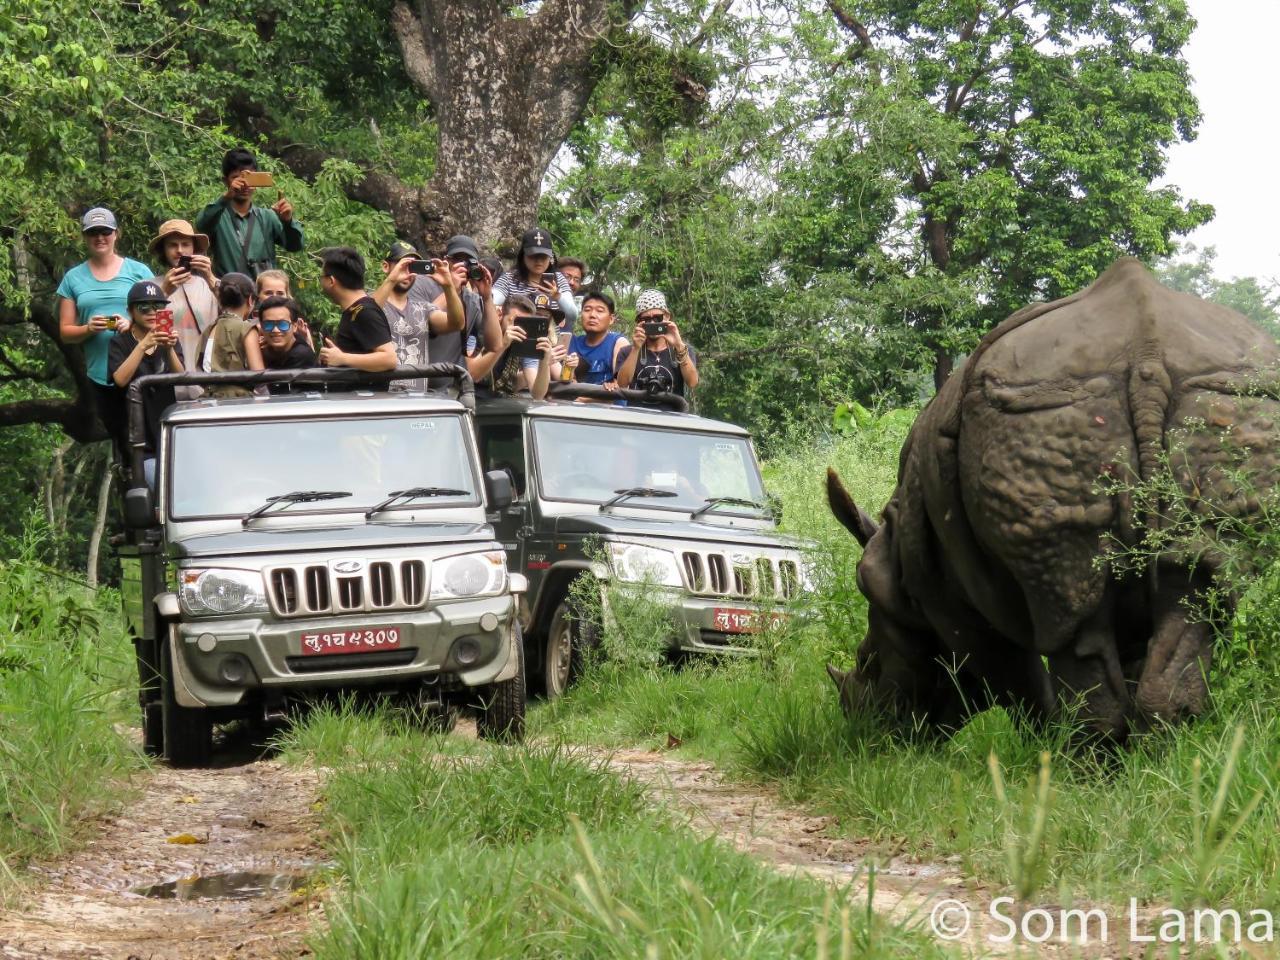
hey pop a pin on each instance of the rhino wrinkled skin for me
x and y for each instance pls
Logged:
(983, 581)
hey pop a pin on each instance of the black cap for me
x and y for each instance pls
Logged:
(536, 241)
(399, 250)
(146, 291)
(461, 244)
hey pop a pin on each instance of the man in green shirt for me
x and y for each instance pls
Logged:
(244, 237)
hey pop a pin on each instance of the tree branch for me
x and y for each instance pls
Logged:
(418, 62)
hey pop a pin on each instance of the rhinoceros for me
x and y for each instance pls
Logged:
(987, 580)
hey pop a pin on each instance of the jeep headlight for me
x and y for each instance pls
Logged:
(636, 563)
(206, 593)
(469, 575)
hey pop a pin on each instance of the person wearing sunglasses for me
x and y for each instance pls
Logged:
(282, 347)
(658, 359)
(92, 302)
(143, 349)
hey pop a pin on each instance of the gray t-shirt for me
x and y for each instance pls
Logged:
(452, 347)
(410, 327)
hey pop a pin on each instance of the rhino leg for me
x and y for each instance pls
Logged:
(1173, 684)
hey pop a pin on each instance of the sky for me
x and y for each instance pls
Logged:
(1232, 163)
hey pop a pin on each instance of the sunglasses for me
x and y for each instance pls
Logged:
(147, 307)
(651, 318)
(99, 232)
(271, 326)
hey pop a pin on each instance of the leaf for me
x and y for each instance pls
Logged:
(186, 839)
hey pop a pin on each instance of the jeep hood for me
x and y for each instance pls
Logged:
(367, 537)
(679, 527)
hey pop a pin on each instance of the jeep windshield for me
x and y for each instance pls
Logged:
(593, 463)
(230, 469)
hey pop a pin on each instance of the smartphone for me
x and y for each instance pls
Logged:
(164, 321)
(184, 262)
(110, 321)
(258, 178)
(534, 328)
(421, 268)
(655, 328)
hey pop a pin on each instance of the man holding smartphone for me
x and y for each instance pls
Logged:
(420, 299)
(658, 359)
(244, 236)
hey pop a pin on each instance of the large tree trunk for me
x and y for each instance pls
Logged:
(506, 91)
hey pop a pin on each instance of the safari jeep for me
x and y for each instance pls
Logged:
(669, 502)
(315, 541)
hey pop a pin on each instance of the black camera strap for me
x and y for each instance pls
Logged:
(248, 239)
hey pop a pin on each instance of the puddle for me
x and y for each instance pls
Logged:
(243, 885)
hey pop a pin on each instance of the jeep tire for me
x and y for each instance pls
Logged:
(188, 732)
(570, 638)
(502, 705)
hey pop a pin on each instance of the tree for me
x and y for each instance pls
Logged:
(1025, 136)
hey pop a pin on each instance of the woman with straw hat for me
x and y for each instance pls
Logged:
(188, 280)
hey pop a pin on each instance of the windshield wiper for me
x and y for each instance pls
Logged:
(635, 492)
(415, 493)
(712, 502)
(298, 496)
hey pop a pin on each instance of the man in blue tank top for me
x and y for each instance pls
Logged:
(595, 354)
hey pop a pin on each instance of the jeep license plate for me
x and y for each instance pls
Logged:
(737, 620)
(355, 640)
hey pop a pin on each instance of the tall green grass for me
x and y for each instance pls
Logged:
(533, 852)
(66, 676)
(1187, 813)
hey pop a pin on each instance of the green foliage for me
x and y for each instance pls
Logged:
(543, 853)
(64, 673)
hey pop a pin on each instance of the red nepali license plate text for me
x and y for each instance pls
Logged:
(357, 640)
(735, 620)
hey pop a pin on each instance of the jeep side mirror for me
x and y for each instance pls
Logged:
(139, 508)
(497, 489)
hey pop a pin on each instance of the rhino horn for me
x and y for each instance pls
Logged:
(838, 676)
(851, 516)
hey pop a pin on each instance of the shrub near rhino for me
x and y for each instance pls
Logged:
(1115, 825)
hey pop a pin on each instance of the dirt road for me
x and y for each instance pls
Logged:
(255, 830)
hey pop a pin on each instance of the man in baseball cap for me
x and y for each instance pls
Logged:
(418, 306)
(658, 358)
(481, 323)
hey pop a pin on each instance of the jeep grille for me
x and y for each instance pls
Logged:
(306, 590)
(754, 577)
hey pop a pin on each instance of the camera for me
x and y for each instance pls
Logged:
(475, 271)
(655, 328)
(421, 268)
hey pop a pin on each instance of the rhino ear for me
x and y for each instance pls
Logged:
(837, 676)
(851, 516)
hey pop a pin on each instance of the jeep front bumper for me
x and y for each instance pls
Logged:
(217, 661)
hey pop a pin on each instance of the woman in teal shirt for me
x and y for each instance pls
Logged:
(91, 302)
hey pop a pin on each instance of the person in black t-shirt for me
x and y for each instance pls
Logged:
(363, 340)
(282, 347)
(142, 350)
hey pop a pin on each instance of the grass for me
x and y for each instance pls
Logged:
(66, 676)
(1184, 815)
(484, 851)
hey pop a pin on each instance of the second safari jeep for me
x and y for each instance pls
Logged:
(665, 500)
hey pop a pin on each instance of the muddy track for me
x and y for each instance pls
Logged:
(250, 819)
(756, 821)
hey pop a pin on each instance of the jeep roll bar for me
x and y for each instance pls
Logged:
(322, 376)
(592, 391)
